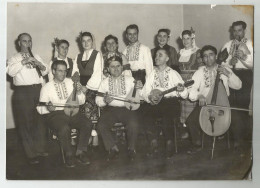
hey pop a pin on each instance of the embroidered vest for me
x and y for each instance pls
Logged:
(87, 69)
(70, 68)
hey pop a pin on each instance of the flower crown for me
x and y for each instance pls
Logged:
(192, 33)
(56, 42)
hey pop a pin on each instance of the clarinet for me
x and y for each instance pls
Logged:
(37, 68)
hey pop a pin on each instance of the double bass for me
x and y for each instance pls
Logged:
(214, 119)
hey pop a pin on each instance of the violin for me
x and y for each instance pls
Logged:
(214, 119)
(72, 109)
(158, 94)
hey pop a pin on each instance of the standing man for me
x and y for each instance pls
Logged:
(240, 59)
(27, 72)
(138, 55)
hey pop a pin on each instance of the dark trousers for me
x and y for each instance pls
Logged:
(167, 109)
(63, 124)
(30, 126)
(193, 125)
(112, 115)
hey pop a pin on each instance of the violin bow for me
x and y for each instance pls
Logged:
(232, 108)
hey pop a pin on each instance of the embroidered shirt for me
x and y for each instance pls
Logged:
(24, 74)
(163, 80)
(231, 47)
(204, 80)
(120, 87)
(57, 93)
(139, 57)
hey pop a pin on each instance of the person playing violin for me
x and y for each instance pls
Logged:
(162, 78)
(117, 84)
(56, 93)
(204, 79)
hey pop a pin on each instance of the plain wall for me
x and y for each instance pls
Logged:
(46, 21)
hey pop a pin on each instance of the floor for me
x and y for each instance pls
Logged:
(227, 164)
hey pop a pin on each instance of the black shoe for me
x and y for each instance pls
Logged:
(132, 155)
(70, 162)
(83, 158)
(112, 154)
(34, 161)
(42, 154)
(169, 149)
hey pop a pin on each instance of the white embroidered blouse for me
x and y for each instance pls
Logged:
(163, 80)
(57, 93)
(204, 79)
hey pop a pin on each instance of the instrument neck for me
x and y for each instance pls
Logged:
(215, 90)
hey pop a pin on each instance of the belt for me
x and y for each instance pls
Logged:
(29, 86)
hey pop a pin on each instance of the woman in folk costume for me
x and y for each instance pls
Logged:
(90, 66)
(189, 61)
(61, 48)
(111, 49)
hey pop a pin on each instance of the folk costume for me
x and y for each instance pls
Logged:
(27, 84)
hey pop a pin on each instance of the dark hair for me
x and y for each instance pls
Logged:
(167, 31)
(62, 41)
(165, 50)
(56, 63)
(132, 26)
(208, 47)
(20, 35)
(186, 32)
(239, 23)
(86, 34)
(111, 37)
(114, 58)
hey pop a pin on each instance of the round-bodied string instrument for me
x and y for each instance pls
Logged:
(215, 121)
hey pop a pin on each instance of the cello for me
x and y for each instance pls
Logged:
(215, 121)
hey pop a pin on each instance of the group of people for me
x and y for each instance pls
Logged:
(104, 81)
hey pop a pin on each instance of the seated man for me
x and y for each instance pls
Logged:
(56, 92)
(204, 80)
(117, 84)
(162, 78)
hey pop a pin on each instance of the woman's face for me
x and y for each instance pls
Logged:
(187, 41)
(87, 42)
(63, 49)
(111, 45)
(162, 38)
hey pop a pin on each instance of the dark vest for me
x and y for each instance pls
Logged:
(86, 67)
(69, 69)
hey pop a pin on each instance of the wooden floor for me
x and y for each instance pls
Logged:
(227, 164)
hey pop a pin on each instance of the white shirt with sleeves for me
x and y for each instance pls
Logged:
(57, 93)
(24, 74)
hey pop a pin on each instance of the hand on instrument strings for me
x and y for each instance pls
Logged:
(139, 84)
(79, 88)
(223, 70)
(84, 89)
(240, 54)
(154, 99)
(180, 87)
(202, 100)
(233, 61)
(50, 107)
(107, 99)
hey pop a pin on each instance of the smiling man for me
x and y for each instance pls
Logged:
(138, 55)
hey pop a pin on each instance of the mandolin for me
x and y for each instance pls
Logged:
(158, 94)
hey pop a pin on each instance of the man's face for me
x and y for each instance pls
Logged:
(25, 42)
(63, 49)
(132, 35)
(238, 32)
(115, 68)
(162, 38)
(87, 42)
(161, 58)
(111, 45)
(60, 73)
(209, 58)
